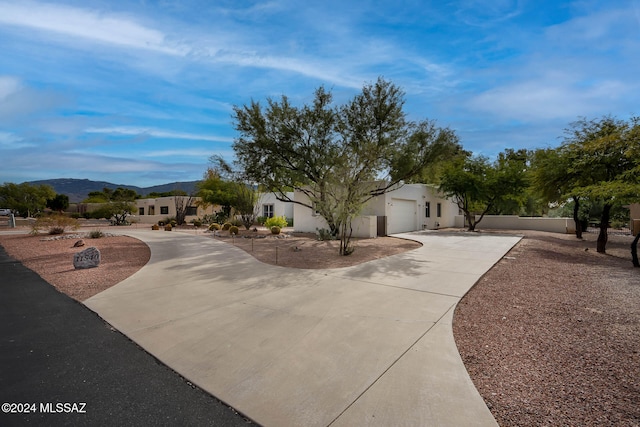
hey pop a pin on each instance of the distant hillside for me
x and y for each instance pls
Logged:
(78, 189)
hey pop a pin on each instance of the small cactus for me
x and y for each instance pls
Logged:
(214, 227)
(275, 230)
(233, 230)
(155, 227)
(226, 226)
(167, 227)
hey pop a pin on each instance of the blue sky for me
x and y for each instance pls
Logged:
(141, 92)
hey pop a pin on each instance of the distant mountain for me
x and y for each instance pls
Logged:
(78, 189)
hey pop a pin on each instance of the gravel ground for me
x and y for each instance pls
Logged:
(52, 259)
(303, 250)
(551, 335)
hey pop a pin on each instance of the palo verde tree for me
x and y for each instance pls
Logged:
(604, 164)
(479, 186)
(117, 204)
(338, 156)
(553, 182)
(229, 188)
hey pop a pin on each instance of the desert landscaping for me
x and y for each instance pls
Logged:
(550, 335)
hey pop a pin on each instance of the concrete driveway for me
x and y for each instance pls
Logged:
(365, 345)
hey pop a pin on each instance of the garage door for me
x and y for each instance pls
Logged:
(402, 216)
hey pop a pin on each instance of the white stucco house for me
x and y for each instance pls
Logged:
(269, 206)
(409, 207)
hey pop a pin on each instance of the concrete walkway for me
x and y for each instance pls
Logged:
(365, 345)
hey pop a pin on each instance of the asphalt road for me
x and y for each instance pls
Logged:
(61, 364)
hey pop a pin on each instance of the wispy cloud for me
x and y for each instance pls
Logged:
(87, 24)
(156, 133)
(9, 141)
(121, 88)
(122, 31)
(17, 101)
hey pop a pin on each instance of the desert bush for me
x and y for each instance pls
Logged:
(96, 234)
(214, 226)
(55, 224)
(234, 230)
(324, 234)
(226, 226)
(197, 222)
(275, 229)
(155, 227)
(277, 221)
(168, 227)
(208, 219)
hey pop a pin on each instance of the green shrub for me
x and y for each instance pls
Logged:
(324, 234)
(275, 229)
(289, 222)
(226, 226)
(173, 223)
(214, 226)
(96, 234)
(261, 219)
(237, 222)
(234, 230)
(76, 215)
(197, 222)
(277, 221)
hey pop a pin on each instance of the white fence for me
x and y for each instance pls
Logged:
(514, 222)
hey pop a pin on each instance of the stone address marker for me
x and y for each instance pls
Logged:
(88, 258)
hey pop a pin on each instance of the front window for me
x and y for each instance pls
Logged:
(267, 211)
(439, 210)
(192, 211)
(427, 209)
(140, 211)
(164, 210)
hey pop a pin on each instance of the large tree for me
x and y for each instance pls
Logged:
(25, 198)
(339, 156)
(117, 204)
(480, 186)
(229, 188)
(58, 203)
(604, 164)
(552, 181)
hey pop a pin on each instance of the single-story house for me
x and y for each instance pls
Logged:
(269, 206)
(408, 207)
(150, 211)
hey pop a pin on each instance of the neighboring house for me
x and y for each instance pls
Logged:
(269, 206)
(150, 211)
(409, 207)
